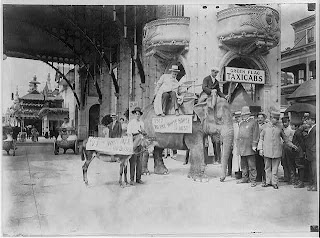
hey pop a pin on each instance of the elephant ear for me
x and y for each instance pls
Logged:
(201, 110)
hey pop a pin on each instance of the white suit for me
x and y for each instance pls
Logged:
(165, 84)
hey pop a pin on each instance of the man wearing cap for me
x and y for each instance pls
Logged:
(248, 137)
(270, 147)
(167, 89)
(311, 150)
(115, 128)
(298, 156)
(135, 126)
(210, 87)
(261, 175)
(286, 159)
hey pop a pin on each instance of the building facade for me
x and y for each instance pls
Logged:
(298, 65)
(44, 109)
(241, 40)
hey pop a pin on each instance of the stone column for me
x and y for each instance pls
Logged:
(82, 125)
(106, 86)
(124, 77)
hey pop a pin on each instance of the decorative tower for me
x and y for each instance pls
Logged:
(33, 85)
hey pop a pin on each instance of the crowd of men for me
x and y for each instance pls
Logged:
(261, 144)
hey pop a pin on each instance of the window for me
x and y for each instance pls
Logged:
(300, 38)
(310, 35)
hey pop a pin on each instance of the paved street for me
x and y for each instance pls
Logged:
(43, 194)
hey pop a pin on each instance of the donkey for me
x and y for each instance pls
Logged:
(140, 144)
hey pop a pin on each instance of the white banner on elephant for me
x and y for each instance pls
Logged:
(111, 146)
(173, 124)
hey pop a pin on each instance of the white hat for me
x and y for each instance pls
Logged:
(174, 68)
(245, 111)
(215, 69)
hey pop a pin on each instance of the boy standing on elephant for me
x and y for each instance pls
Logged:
(248, 138)
(270, 147)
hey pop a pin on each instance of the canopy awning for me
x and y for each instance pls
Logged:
(58, 111)
(306, 89)
(301, 107)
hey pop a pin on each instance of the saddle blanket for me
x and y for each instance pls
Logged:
(111, 146)
(172, 124)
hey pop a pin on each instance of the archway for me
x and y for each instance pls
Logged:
(244, 94)
(249, 62)
(94, 115)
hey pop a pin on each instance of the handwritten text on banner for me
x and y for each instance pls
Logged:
(173, 124)
(111, 146)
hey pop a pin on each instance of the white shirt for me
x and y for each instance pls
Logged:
(311, 128)
(289, 132)
(134, 126)
(167, 83)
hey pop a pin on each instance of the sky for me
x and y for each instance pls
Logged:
(18, 72)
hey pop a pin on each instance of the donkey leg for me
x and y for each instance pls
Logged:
(85, 167)
(159, 166)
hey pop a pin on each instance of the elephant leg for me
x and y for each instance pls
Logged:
(145, 159)
(121, 172)
(227, 141)
(125, 173)
(159, 167)
(196, 147)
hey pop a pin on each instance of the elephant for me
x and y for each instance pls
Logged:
(215, 121)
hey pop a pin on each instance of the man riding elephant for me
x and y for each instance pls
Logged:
(210, 87)
(167, 88)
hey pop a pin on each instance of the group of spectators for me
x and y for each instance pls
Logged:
(261, 144)
(24, 133)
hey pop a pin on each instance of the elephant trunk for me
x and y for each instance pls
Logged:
(227, 143)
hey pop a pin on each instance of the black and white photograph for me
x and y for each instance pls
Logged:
(160, 118)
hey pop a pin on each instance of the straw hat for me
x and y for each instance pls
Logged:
(216, 69)
(174, 68)
(137, 109)
(245, 111)
(275, 114)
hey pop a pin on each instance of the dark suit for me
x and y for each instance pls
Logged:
(208, 85)
(311, 152)
(116, 130)
(248, 137)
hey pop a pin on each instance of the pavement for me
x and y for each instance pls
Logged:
(44, 195)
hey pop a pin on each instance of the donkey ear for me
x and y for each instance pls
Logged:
(201, 111)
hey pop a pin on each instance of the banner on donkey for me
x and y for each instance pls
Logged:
(111, 146)
(173, 124)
